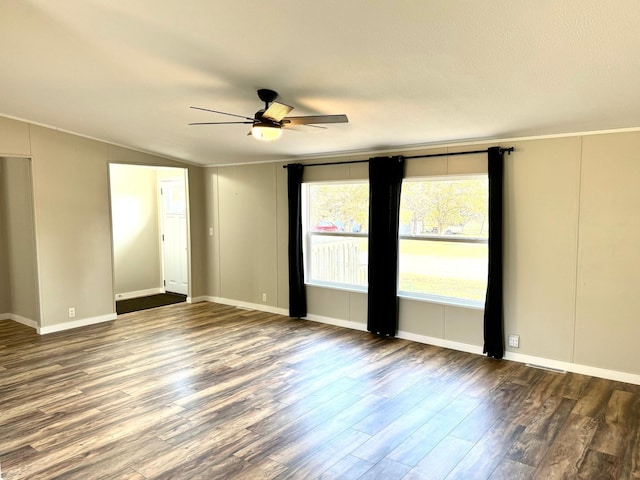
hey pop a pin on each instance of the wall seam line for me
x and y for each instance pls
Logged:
(275, 201)
(216, 226)
(577, 254)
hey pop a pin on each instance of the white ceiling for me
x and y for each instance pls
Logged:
(405, 72)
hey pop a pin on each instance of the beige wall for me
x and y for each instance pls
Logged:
(247, 233)
(19, 238)
(607, 325)
(541, 221)
(136, 230)
(14, 138)
(571, 263)
(73, 225)
(198, 232)
(72, 218)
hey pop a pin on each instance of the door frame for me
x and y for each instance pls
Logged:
(158, 168)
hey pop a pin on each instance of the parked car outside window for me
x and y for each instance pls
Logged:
(325, 226)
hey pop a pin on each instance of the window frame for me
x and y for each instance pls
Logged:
(430, 297)
(308, 234)
(415, 296)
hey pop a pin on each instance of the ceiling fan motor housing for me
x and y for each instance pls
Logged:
(266, 122)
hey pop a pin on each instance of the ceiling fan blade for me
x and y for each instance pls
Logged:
(315, 119)
(300, 127)
(222, 113)
(219, 123)
(277, 111)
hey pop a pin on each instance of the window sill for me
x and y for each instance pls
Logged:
(449, 301)
(333, 286)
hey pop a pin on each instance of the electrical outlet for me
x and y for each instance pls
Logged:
(72, 312)
(514, 341)
(264, 297)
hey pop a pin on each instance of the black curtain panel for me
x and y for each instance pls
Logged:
(297, 294)
(493, 309)
(385, 183)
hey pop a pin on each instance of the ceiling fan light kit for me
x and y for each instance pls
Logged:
(266, 133)
(267, 124)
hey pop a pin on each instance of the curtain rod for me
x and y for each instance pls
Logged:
(502, 150)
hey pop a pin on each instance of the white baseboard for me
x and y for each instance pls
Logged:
(251, 306)
(17, 318)
(83, 322)
(139, 293)
(515, 357)
(336, 322)
(202, 298)
(574, 368)
(440, 342)
(529, 359)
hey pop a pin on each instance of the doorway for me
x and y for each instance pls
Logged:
(149, 215)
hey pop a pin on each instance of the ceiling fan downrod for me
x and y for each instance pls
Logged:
(267, 96)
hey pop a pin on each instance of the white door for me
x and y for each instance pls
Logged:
(174, 236)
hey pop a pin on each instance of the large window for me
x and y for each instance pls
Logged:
(336, 224)
(443, 237)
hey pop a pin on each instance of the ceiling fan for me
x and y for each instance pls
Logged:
(269, 121)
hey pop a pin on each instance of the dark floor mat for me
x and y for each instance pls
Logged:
(144, 303)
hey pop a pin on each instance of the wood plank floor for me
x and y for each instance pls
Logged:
(208, 391)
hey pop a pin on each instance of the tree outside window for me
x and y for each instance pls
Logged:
(443, 239)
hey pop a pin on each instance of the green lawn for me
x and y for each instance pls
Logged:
(438, 285)
(442, 249)
(443, 286)
(439, 249)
